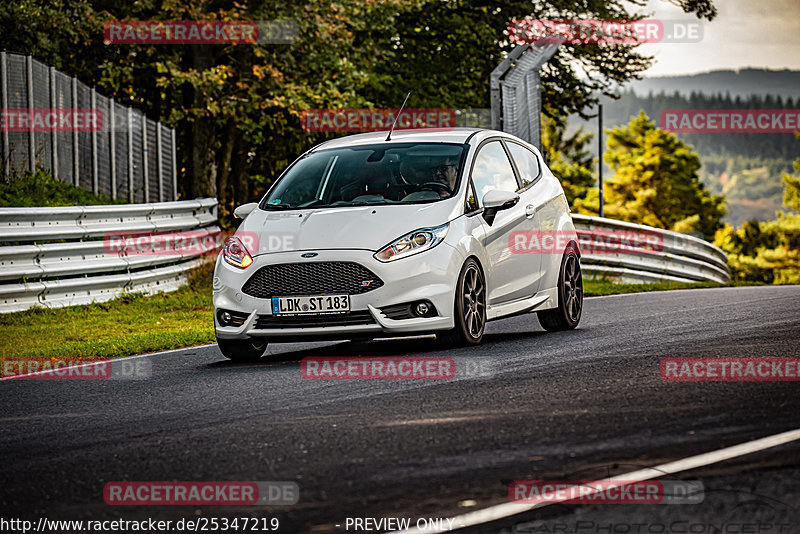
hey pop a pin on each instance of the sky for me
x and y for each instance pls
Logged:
(745, 33)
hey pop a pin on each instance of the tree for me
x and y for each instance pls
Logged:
(569, 158)
(237, 108)
(767, 251)
(655, 181)
(446, 50)
(791, 192)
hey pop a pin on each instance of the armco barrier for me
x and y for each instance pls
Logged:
(58, 257)
(679, 258)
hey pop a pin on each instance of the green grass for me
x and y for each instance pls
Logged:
(41, 189)
(600, 287)
(135, 324)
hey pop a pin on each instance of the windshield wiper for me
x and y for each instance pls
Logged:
(365, 203)
(277, 206)
(313, 204)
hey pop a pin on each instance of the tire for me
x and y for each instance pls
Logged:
(469, 308)
(249, 350)
(570, 296)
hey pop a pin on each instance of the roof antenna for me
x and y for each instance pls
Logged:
(389, 137)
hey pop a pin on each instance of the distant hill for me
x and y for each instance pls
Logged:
(743, 82)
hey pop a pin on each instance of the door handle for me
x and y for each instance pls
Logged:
(530, 210)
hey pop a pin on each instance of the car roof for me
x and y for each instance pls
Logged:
(419, 135)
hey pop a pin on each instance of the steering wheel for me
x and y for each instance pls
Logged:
(436, 185)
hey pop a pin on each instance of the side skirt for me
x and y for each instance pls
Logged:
(543, 300)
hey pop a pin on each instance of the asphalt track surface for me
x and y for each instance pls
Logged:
(583, 404)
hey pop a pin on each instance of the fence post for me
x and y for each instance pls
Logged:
(112, 127)
(145, 163)
(4, 103)
(130, 155)
(31, 137)
(51, 73)
(76, 168)
(174, 166)
(159, 163)
(95, 186)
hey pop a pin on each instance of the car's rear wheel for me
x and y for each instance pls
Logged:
(570, 296)
(469, 308)
(248, 350)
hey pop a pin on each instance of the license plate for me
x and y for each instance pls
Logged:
(310, 305)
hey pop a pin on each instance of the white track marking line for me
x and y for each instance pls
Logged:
(501, 511)
(109, 360)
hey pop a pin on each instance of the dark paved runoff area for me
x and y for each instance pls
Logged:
(582, 404)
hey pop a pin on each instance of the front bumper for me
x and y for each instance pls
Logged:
(429, 275)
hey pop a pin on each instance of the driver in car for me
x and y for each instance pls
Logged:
(446, 174)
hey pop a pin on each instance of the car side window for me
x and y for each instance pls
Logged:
(492, 170)
(527, 163)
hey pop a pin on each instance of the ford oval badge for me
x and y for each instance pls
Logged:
(309, 255)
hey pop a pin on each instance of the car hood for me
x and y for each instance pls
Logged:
(358, 227)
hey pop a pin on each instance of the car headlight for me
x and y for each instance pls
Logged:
(412, 243)
(236, 253)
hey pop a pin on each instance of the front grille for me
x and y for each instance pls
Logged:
(311, 278)
(310, 321)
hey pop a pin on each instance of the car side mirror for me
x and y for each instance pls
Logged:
(497, 200)
(244, 210)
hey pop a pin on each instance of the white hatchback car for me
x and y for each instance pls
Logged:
(363, 237)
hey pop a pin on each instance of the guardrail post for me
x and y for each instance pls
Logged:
(95, 188)
(145, 170)
(112, 128)
(76, 168)
(51, 73)
(174, 166)
(31, 137)
(4, 103)
(159, 163)
(130, 155)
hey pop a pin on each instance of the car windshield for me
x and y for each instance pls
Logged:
(369, 175)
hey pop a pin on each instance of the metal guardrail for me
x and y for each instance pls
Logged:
(65, 256)
(675, 257)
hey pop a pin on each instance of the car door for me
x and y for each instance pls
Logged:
(529, 171)
(509, 275)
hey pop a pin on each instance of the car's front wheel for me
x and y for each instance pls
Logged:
(570, 296)
(248, 350)
(469, 308)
